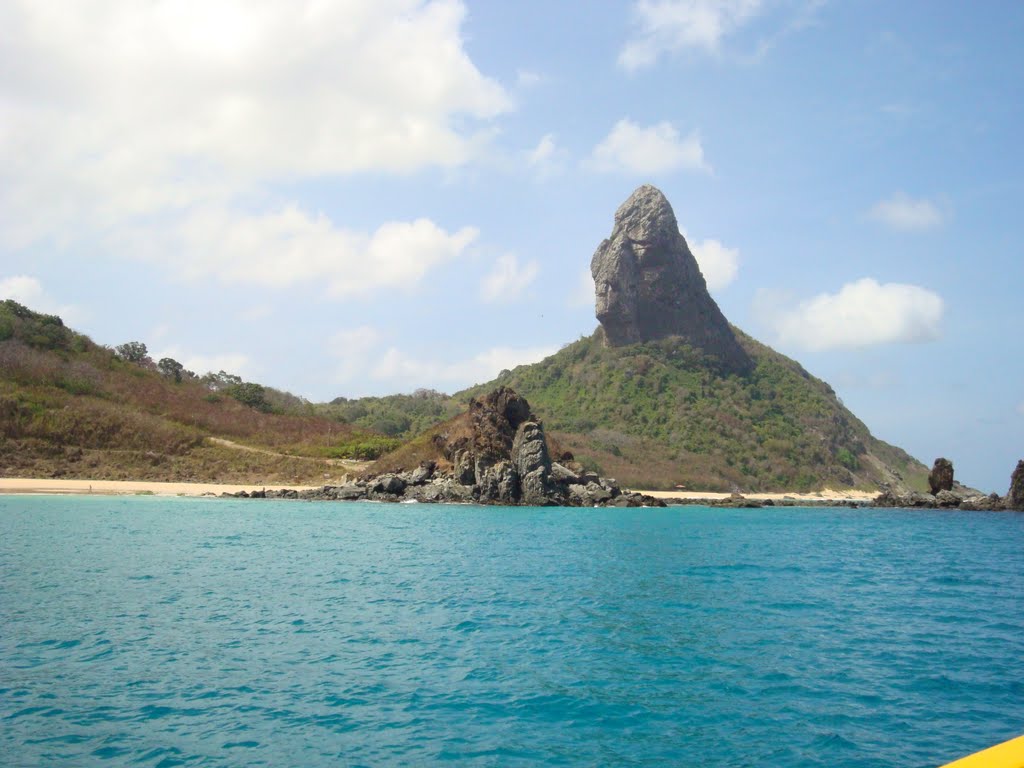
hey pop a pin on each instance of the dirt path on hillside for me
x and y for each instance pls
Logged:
(351, 465)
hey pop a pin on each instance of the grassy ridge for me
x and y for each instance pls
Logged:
(71, 407)
(659, 415)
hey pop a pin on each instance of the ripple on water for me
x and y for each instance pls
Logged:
(163, 632)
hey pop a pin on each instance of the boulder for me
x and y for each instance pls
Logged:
(980, 503)
(648, 286)
(389, 484)
(941, 476)
(497, 484)
(422, 473)
(563, 475)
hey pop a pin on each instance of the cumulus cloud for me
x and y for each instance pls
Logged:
(405, 370)
(123, 113)
(290, 246)
(907, 214)
(630, 148)
(508, 279)
(235, 363)
(667, 26)
(547, 158)
(863, 313)
(717, 263)
(29, 291)
(364, 351)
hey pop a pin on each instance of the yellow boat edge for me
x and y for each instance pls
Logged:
(1009, 754)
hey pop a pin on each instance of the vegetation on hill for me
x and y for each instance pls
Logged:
(71, 407)
(659, 415)
(652, 415)
(400, 416)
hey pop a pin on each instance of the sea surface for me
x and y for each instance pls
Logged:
(211, 632)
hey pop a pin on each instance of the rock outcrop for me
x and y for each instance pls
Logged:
(1015, 496)
(941, 476)
(648, 285)
(501, 458)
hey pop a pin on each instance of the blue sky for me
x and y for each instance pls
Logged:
(369, 196)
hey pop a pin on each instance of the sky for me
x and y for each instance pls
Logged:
(354, 197)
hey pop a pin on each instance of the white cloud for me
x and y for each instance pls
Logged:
(543, 152)
(546, 159)
(907, 214)
(508, 279)
(404, 370)
(863, 313)
(28, 291)
(364, 352)
(718, 264)
(1020, 407)
(237, 364)
(667, 26)
(119, 112)
(290, 246)
(583, 294)
(353, 348)
(526, 78)
(630, 148)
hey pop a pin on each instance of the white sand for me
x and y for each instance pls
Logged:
(130, 487)
(137, 487)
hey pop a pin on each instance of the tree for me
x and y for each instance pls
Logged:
(132, 351)
(171, 368)
(250, 394)
(220, 381)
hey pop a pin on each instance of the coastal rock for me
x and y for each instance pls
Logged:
(422, 473)
(533, 463)
(465, 468)
(946, 499)
(941, 476)
(497, 484)
(980, 503)
(502, 459)
(1015, 496)
(562, 474)
(648, 285)
(389, 484)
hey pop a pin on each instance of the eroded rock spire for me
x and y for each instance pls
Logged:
(648, 285)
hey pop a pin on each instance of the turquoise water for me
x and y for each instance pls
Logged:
(156, 632)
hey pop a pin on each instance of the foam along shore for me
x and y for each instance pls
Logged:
(826, 495)
(142, 487)
(130, 487)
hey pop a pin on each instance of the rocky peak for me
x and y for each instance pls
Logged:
(1015, 496)
(941, 476)
(648, 285)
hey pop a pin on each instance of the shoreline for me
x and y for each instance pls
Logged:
(52, 486)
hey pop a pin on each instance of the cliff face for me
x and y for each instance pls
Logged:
(648, 285)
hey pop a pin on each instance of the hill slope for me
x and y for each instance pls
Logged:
(71, 408)
(661, 414)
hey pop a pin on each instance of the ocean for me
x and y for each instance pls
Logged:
(150, 631)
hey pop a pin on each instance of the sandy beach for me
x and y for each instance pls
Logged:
(142, 487)
(128, 487)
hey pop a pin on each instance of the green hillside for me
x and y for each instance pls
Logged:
(659, 415)
(72, 408)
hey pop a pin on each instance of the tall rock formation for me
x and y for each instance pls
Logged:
(941, 476)
(1015, 496)
(648, 285)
